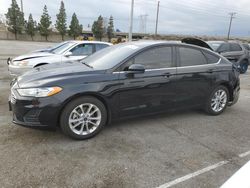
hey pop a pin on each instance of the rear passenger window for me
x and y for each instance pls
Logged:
(211, 58)
(191, 57)
(156, 58)
(223, 48)
(100, 46)
(235, 47)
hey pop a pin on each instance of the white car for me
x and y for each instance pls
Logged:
(69, 51)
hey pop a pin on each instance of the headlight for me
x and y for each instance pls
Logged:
(39, 92)
(20, 63)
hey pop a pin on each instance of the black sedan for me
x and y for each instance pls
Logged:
(124, 80)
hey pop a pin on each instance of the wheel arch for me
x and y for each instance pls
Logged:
(87, 94)
(40, 64)
(229, 87)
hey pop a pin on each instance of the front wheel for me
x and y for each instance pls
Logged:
(83, 118)
(217, 101)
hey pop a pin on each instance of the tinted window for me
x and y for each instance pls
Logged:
(235, 47)
(246, 46)
(211, 58)
(160, 57)
(190, 57)
(82, 49)
(100, 46)
(224, 48)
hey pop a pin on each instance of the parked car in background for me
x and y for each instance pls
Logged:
(128, 79)
(234, 51)
(70, 51)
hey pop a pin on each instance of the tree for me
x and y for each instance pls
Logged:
(45, 23)
(110, 29)
(75, 29)
(15, 19)
(61, 21)
(30, 26)
(98, 28)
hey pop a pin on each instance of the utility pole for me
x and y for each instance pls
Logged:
(143, 23)
(157, 17)
(131, 21)
(232, 15)
(22, 6)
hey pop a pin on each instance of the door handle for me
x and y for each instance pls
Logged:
(210, 71)
(166, 75)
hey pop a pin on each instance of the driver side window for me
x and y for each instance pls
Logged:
(82, 49)
(154, 58)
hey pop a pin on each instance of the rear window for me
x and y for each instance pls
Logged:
(235, 47)
(211, 58)
(224, 48)
(191, 57)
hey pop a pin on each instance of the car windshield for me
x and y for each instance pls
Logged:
(58, 45)
(109, 57)
(62, 48)
(214, 45)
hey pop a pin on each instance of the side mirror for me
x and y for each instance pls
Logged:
(136, 68)
(67, 54)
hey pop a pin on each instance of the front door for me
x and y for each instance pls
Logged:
(151, 91)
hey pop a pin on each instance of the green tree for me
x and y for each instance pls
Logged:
(110, 29)
(61, 21)
(75, 29)
(15, 19)
(45, 23)
(30, 27)
(98, 28)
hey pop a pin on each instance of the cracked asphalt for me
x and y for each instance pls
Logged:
(141, 152)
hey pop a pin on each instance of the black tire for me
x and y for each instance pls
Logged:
(65, 115)
(243, 66)
(208, 107)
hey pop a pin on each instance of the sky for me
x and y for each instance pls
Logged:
(187, 17)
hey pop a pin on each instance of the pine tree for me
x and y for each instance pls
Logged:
(110, 29)
(45, 23)
(61, 21)
(30, 27)
(15, 19)
(98, 28)
(75, 29)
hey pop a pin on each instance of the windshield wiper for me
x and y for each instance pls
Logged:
(87, 65)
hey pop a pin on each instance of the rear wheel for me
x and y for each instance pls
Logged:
(243, 67)
(83, 118)
(217, 101)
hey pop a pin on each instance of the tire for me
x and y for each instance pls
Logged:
(77, 123)
(215, 105)
(243, 67)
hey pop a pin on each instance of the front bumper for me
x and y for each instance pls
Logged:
(34, 112)
(17, 70)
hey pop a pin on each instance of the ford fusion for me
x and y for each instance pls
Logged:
(129, 79)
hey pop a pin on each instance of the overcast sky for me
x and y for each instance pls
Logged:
(199, 17)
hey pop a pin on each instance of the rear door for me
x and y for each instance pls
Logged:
(194, 77)
(232, 51)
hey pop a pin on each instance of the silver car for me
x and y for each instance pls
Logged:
(71, 50)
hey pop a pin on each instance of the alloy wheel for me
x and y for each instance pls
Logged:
(219, 100)
(85, 119)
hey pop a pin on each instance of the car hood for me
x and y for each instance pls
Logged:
(197, 42)
(55, 74)
(32, 56)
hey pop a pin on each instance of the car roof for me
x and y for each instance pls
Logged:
(89, 42)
